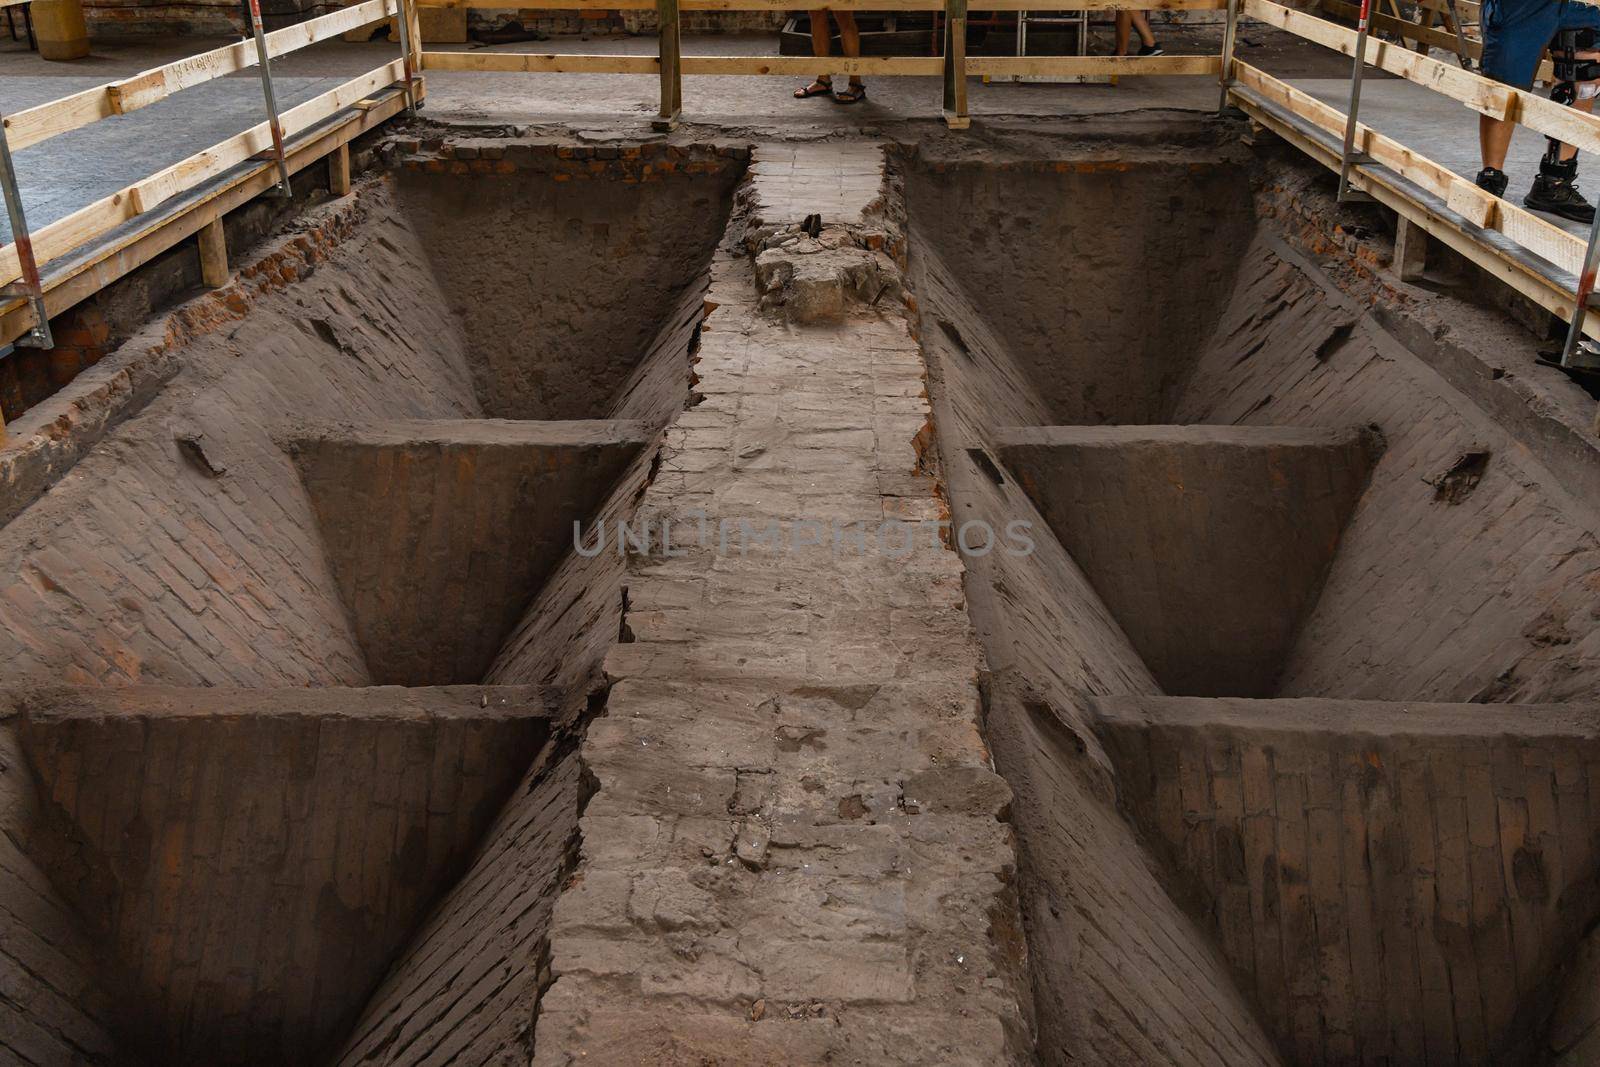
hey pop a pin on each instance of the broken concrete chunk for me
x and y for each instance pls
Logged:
(751, 844)
(959, 791)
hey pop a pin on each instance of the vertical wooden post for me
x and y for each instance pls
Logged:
(408, 8)
(213, 254)
(955, 65)
(671, 66)
(1230, 35)
(410, 27)
(59, 29)
(1425, 20)
(1410, 249)
(339, 170)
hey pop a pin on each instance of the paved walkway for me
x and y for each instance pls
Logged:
(80, 167)
(1447, 133)
(795, 854)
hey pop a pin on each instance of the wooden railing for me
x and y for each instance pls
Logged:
(1529, 252)
(29, 127)
(45, 271)
(953, 64)
(1532, 254)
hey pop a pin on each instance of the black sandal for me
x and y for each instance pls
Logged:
(820, 87)
(853, 94)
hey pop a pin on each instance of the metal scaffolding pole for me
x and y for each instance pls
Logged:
(1573, 357)
(253, 10)
(1350, 157)
(29, 287)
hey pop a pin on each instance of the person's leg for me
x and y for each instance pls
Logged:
(1124, 22)
(1142, 24)
(1555, 190)
(1494, 140)
(849, 40)
(819, 48)
(1515, 33)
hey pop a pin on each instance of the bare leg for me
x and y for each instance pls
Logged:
(1494, 140)
(1132, 20)
(849, 38)
(819, 48)
(1142, 24)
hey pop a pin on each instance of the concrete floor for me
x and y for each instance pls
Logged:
(77, 168)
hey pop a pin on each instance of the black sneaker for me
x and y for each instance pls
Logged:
(1152, 50)
(1495, 181)
(1558, 196)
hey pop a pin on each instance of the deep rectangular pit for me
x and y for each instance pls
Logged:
(1099, 291)
(1243, 486)
(1238, 486)
(369, 474)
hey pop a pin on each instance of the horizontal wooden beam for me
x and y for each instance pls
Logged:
(35, 124)
(1529, 275)
(842, 5)
(1468, 8)
(1541, 237)
(1069, 66)
(540, 63)
(1477, 92)
(1381, 23)
(795, 66)
(87, 223)
(91, 269)
(789, 66)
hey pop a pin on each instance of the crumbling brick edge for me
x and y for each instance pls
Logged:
(53, 435)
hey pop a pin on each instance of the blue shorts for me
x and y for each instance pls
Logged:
(1516, 33)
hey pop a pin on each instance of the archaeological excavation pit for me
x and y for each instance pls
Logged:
(1246, 487)
(325, 742)
(311, 645)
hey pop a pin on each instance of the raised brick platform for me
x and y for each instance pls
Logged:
(797, 851)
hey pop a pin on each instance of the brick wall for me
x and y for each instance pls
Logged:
(1208, 543)
(493, 927)
(1069, 291)
(27, 375)
(181, 549)
(610, 239)
(1503, 555)
(53, 1009)
(481, 962)
(133, 18)
(464, 518)
(1120, 974)
(1393, 883)
(184, 825)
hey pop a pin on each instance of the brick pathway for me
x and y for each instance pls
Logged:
(794, 854)
(837, 181)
